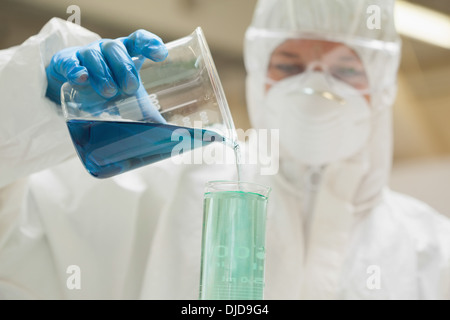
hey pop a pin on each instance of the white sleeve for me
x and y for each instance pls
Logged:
(33, 134)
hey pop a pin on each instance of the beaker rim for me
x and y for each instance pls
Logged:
(244, 186)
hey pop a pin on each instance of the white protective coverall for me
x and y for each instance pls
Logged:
(138, 235)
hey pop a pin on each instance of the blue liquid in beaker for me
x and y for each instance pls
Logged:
(108, 148)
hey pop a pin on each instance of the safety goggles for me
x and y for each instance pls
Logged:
(366, 65)
(303, 56)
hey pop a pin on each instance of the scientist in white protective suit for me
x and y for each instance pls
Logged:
(334, 229)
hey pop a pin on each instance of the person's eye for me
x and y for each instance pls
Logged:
(289, 69)
(348, 73)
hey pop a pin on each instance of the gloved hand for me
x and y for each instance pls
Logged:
(105, 64)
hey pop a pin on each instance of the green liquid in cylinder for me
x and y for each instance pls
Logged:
(233, 246)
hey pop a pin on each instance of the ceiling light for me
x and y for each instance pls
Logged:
(423, 24)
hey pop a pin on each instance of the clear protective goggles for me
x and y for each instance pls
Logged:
(335, 60)
(366, 65)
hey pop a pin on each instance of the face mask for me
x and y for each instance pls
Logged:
(319, 123)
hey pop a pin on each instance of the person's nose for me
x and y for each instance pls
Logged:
(316, 66)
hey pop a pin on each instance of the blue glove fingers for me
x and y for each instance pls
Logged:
(100, 76)
(149, 111)
(65, 66)
(147, 44)
(121, 66)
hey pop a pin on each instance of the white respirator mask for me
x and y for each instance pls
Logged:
(319, 122)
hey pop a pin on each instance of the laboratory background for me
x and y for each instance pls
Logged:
(421, 166)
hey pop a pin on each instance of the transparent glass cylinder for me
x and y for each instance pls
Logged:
(233, 241)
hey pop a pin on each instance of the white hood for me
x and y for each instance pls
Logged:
(343, 21)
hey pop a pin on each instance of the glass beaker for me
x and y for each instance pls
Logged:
(233, 241)
(180, 99)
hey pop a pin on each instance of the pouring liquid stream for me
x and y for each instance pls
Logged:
(234, 144)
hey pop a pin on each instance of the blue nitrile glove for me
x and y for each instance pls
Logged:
(106, 64)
